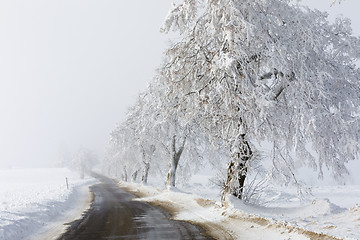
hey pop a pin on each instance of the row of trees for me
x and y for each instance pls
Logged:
(82, 160)
(245, 72)
(154, 139)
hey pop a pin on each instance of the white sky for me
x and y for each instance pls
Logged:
(347, 8)
(69, 69)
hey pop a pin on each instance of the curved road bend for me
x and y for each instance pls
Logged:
(113, 215)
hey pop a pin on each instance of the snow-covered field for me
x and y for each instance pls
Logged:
(34, 203)
(330, 211)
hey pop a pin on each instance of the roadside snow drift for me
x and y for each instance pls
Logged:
(34, 202)
(323, 215)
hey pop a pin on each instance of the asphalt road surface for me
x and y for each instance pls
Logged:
(113, 215)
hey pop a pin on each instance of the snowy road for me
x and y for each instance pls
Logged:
(113, 215)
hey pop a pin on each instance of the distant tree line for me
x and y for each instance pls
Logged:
(81, 160)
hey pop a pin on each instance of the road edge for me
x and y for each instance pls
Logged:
(54, 230)
(223, 229)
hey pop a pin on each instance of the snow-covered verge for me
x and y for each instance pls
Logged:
(282, 217)
(334, 211)
(34, 203)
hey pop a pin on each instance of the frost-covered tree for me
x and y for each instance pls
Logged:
(84, 160)
(180, 139)
(114, 163)
(336, 1)
(152, 138)
(137, 121)
(123, 158)
(266, 70)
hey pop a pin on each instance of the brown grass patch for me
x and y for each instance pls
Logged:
(215, 230)
(317, 236)
(136, 191)
(205, 202)
(170, 207)
(264, 222)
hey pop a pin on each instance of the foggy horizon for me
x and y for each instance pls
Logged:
(70, 70)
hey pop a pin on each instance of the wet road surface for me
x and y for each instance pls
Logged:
(113, 215)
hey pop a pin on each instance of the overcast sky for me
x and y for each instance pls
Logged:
(69, 69)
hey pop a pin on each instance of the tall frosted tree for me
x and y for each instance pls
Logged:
(153, 136)
(266, 70)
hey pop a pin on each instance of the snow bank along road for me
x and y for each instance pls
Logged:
(113, 215)
(35, 202)
(234, 221)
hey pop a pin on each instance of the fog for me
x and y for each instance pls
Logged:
(69, 70)
(347, 8)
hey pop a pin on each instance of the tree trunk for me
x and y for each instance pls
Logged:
(145, 172)
(125, 176)
(241, 176)
(134, 175)
(146, 163)
(175, 158)
(241, 153)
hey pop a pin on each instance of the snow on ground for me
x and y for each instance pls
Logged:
(330, 212)
(34, 203)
